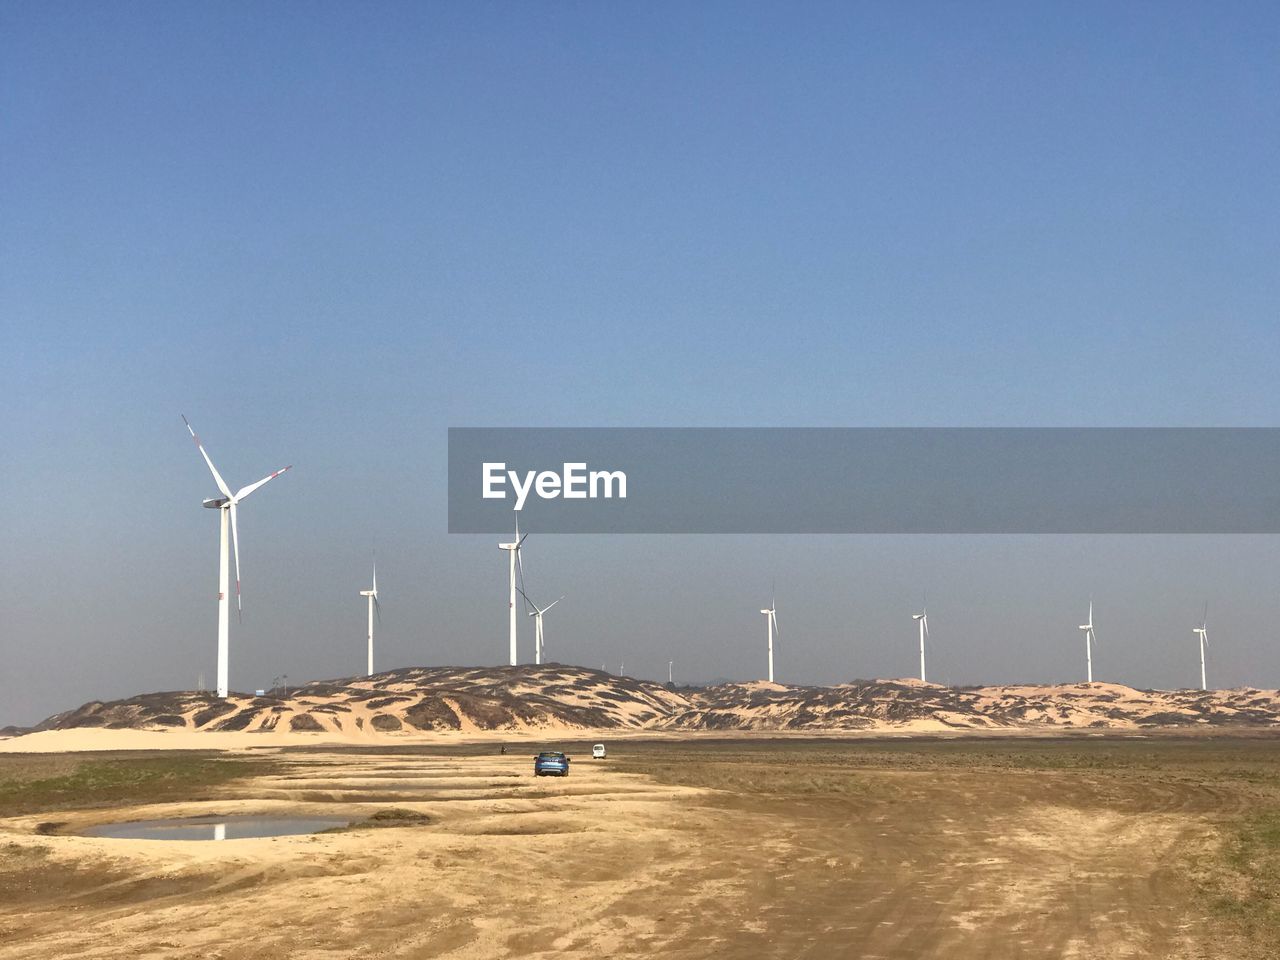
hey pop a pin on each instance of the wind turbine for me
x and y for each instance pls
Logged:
(514, 549)
(670, 664)
(1203, 632)
(1090, 638)
(537, 613)
(771, 621)
(923, 618)
(226, 505)
(374, 606)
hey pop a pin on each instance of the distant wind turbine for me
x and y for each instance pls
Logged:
(1203, 632)
(374, 606)
(226, 505)
(923, 618)
(670, 664)
(513, 548)
(539, 648)
(771, 621)
(1090, 638)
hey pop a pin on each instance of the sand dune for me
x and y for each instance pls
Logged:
(537, 701)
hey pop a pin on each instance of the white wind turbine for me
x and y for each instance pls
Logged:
(923, 618)
(536, 613)
(514, 549)
(771, 615)
(1203, 632)
(1090, 638)
(374, 606)
(226, 505)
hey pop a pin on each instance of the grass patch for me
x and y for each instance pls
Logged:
(1247, 891)
(105, 782)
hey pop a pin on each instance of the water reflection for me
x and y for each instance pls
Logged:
(215, 828)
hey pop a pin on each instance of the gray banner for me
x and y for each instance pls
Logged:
(866, 480)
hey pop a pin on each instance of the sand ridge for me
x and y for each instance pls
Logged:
(537, 701)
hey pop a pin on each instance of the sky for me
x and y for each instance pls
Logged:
(327, 232)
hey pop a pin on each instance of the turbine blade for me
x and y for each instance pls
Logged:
(245, 491)
(217, 477)
(235, 544)
(377, 609)
(551, 604)
(375, 579)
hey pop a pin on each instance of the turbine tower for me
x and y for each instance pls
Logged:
(536, 613)
(226, 506)
(923, 618)
(1203, 632)
(374, 606)
(1090, 638)
(513, 548)
(771, 621)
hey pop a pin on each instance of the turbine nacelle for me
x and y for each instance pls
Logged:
(216, 503)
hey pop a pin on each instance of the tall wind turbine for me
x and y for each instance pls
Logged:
(923, 618)
(771, 615)
(1090, 638)
(226, 505)
(536, 613)
(374, 605)
(513, 548)
(1203, 632)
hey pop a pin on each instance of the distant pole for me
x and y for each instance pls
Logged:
(511, 603)
(669, 663)
(370, 665)
(224, 603)
(770, 649)
(922, 677)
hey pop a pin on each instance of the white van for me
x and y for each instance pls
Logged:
(597, 752)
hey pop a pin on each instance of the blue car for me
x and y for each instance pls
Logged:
(550, 764)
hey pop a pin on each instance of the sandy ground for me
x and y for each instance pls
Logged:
(901, 864)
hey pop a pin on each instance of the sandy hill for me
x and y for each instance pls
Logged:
(554, 697)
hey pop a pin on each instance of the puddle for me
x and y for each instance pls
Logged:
(215, 828)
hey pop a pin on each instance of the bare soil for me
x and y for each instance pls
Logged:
(685, 849)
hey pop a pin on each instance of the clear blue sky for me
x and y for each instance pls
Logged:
(326, 232)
